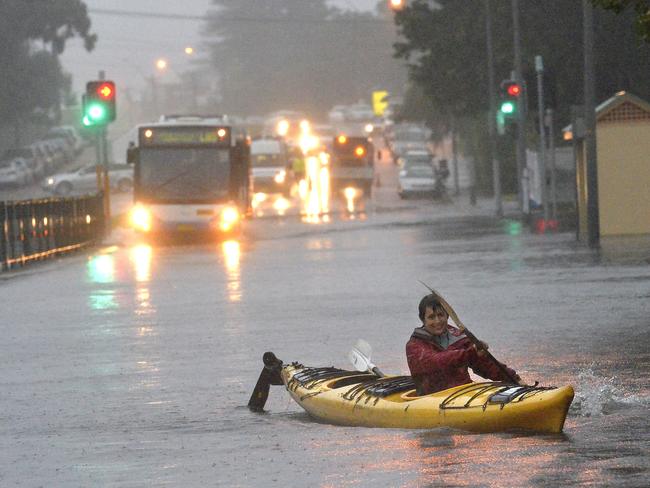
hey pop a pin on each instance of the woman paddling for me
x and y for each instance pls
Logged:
(439, 355)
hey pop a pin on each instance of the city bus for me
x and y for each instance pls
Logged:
(191, 174)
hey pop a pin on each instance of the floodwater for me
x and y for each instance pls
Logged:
(133, 366)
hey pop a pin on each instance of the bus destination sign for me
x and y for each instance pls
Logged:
(185, 136)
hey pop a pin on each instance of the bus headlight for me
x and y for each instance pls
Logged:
(280, 176)
(229, 219)
(140, 218)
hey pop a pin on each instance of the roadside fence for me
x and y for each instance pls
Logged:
(33, 230)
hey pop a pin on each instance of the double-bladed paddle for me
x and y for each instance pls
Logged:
(359, 356)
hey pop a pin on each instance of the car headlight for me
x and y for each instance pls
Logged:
(50, 181)
(140, 218)
(280, 176)
(402, 173)
(228, 219)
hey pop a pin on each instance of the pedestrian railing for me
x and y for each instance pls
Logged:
(32, 230)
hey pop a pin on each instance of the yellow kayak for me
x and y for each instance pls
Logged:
(364, 399)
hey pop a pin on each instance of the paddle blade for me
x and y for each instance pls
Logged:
(359, 362)
(364, 348)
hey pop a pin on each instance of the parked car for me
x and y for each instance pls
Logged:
(416, 178)
(408, 137)
(84, 180)
(33, 157)
(422, 156)
(69, 133)
(14, 172)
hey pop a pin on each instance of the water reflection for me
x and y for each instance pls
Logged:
(232, 255)
(101, 268)
(513, 229)
(316, 190)
(141, 259)
(102, 300)
(444, 458)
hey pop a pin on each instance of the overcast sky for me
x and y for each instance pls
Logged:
(129, 46)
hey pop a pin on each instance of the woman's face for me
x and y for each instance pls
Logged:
(435, 320)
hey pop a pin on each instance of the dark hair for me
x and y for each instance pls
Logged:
(430, 301)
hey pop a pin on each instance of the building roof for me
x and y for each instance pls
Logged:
(623, 106)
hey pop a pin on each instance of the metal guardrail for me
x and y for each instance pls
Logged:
(33, 230)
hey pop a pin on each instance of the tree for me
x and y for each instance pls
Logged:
(32, 79)
(445, 51)
(292, 54)
(640, 7)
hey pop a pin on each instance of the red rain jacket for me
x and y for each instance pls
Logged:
(434, 368)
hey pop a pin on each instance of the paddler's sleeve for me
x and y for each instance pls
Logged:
(423, 359)
(485, 368)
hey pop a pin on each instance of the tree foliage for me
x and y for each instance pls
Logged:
(640, 7)
(32, 35)
(444, 45)
(293, 54)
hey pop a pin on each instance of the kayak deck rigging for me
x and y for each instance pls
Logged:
(501, 393)
(369, 386)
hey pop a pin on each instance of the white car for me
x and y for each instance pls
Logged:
(15, 172)
(416, 178)
(84, 180)
(269, 161)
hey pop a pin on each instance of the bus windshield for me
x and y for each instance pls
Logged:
(184, 174)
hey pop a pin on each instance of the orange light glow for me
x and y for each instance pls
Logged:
(141, 258)
(232, 255)
(359, 151)
(281, 205)
(342, 139)
(350, 194)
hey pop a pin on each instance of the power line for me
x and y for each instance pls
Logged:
(204, 18)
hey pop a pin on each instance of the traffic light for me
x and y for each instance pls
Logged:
(99, 103)
(510, 93)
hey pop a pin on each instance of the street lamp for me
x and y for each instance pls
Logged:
(396, 4)
(189, 50)
(161, 64)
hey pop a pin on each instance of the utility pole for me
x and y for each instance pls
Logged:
(521, 108)
(593, 217)
(496, 167)
(551, 144)
(539, 69)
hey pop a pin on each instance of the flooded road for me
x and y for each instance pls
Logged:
(133, 366)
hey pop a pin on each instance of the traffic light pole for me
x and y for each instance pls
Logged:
(107, 183)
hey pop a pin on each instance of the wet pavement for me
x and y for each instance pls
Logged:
(132, 366)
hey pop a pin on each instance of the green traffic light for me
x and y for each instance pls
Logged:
(96, 113)
(508, 108)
